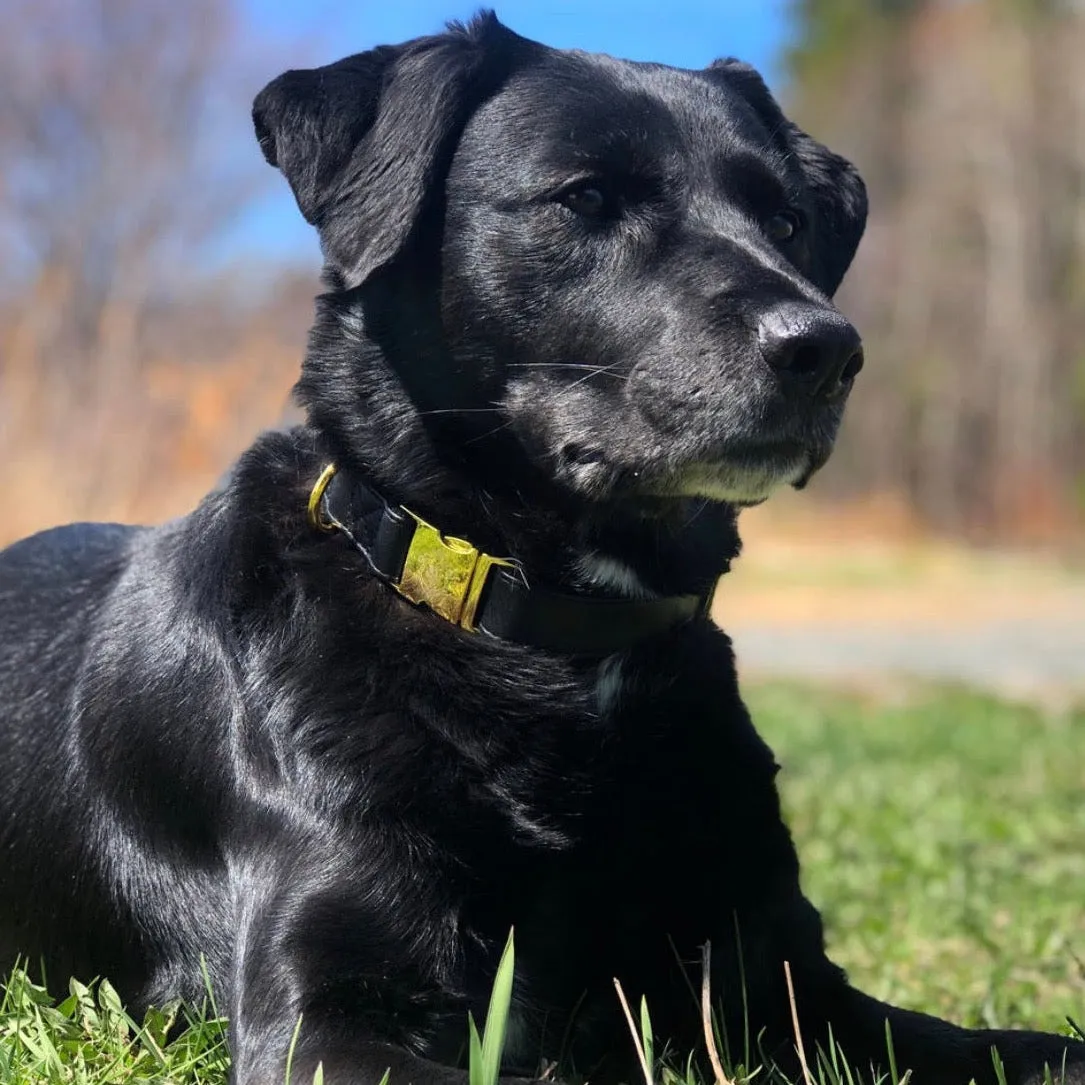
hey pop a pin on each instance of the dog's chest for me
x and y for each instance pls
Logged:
(642, 790)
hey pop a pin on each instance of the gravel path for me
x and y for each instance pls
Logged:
(1022, 656)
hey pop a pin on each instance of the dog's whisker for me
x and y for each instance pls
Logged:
(566, 365)
(488, 433)
(699, 507)
(606, 370)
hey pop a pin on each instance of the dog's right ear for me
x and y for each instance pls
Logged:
(365, 142)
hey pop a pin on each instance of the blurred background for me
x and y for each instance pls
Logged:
(156, 286)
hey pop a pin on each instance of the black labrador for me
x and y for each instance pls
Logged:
(438, 663)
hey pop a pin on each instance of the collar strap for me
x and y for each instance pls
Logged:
(476, 591)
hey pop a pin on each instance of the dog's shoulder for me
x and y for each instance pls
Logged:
(246, 521)
(236, 552)
(109, 615)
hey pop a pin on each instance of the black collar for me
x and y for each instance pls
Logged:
(477, 592)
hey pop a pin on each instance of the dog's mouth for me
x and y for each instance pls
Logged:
(741, 480)
(742, 483)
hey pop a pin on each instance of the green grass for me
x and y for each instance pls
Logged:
(88, 1039)
(943, 839)
(941, 834)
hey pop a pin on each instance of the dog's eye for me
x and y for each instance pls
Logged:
(784, 225)
(588, 200)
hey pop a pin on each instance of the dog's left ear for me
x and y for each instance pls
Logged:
(364, 142)
(837, 189)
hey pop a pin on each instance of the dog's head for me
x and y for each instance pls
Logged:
(619, 271)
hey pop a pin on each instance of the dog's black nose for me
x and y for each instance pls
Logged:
(813, 346)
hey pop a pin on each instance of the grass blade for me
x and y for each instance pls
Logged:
(806, 1075)
(497, 1018)
(476, 1073)
(646, 1037)
(290, 1052)
(645, 1068)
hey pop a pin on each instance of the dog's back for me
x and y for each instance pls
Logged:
(53, 589)
(96, 628)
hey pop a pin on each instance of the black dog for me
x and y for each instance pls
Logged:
(577, 313)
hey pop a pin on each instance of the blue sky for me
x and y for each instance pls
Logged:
(686, 33)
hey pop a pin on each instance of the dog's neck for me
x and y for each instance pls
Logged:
(485, 489)
(612, 552)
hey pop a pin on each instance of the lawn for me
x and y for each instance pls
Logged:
(942, 835)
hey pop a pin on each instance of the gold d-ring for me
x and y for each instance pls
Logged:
(316, 495)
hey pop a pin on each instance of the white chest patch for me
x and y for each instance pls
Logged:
(603, 571)
(609, 684)
(613, 575)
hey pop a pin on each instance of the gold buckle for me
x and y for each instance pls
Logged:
(445, 573)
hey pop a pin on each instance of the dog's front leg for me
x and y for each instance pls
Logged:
(345, 1060)
(828, 1008)
(333, 976)
(283, 1011)
(263, 1023)
(940, 1053)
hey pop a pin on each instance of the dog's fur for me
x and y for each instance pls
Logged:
(549, 278)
